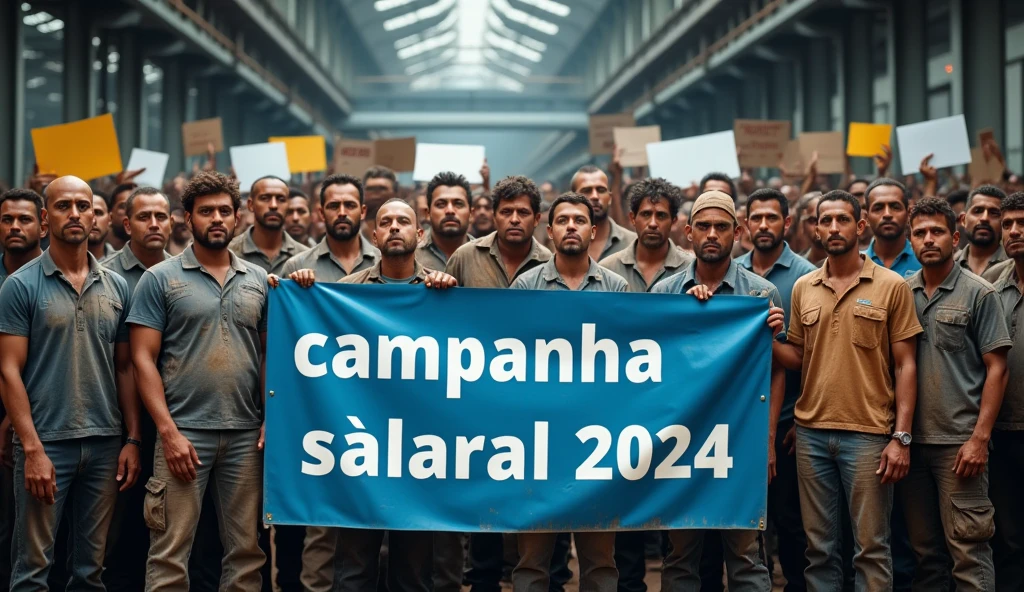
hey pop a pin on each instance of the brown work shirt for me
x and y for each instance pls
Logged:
(428, 254)
(372, 276)
(624, 264)
(478, 264)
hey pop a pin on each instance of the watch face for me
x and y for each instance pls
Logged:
(905, 439)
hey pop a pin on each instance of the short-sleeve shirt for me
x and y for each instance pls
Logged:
(619, 238)
(546, 277)
(478, 264)
(244, 247)
(429, 255)
(783, 274)
(3, 270)
(1011, 414)
(962, 321)
(847, 375)
(737, 281)
(125, 264)
(963, 258)
(326, 266)
(210, 352)
(906, 263)
(624, 264)
(373, 276)
(69, 372)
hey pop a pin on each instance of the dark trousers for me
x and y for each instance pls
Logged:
(1006, 465)
(487, 562)
(784, 514)
(630, 560)
(128, 540)
(288, 542)
(410, 560)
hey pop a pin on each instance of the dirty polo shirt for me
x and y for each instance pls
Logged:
(478, 264)
(244, 247)
(623, 263)
(69, 373)
(326, 266)
(373, 276)
(847, 376)
(125, 264)
(998, 257)
(906, 263)
(546, 277)
(619, 238)
(737, 281)
(1011, 414)
(993, 273)
(429, 255)
(783, 275)
(3, 270)
(210, 355)
(962, 321)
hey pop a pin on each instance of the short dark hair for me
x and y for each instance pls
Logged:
(570, 197)
(296, 192)
(769, 194)
(655, 189)
(715, 176)
(957, 196)
(121, 189)
(210, 183)
(887, 182)
(934, 206)
(587, 169)
(1013, 202)
(482, 196)
(106, 197)
(840, 195)
(986, 191)
(19, 194)
(381, 172)
(447, 179)
(252, 188)
(341, 180)
(512, 187)
(854, 182)
(143, 191)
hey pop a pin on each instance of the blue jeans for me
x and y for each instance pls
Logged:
(830, 462)
(744, 561)
(87, 469)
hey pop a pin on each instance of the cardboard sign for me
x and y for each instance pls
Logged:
(602, 131)
(432, 159)
(830, 149)
(197, 135)
(398, 154)
(155, 164)
(986, 136)
(259, 160)
(867, 139)
(86, 148)
(633, 141)
(687, 160)
(306, 154)
(761, 143)
(792, 159)
(946, 138)
(353, 157)
(984, 171)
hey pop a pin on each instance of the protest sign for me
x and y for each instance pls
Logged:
(685, 161)
(867, 139)
(602, 131)
(154, 163)
(633, 141)
(946, 138)
(382, 414)
(464, 160)
(761, 143)
(196, 136)
(306, 154)
(830, 149)
(259, 160)
(398, 154)
(86, 148)
(353, 157)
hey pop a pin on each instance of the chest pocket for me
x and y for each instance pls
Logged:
(248, 303)
(950, 328)
(868, 326)
(809, 320)
(110, 310)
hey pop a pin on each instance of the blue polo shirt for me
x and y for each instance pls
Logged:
(906, 263)
(783, 275)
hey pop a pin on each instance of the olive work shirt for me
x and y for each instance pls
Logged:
(1011, 414)
(624, 264)
(244, 247)
(326, 266)
(478, 263)
(125, 264)
(547, 277)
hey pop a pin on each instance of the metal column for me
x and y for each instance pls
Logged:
(817, 92)
(858, 80)
(129, 93)
(907, 30)
(77, 65)
(982, 66)
(11, 94)
(172, 111)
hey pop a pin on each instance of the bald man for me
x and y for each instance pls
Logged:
(63, 358)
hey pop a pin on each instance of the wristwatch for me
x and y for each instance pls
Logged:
(134, 441)
(903, 438)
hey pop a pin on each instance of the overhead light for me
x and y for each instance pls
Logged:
(507, 64)
(524, 18)
(555, 8)
(37, 18)
(427, 45)
(512, 47)
(424, 65)
(498, 26)
(35, 82)
(51, 26)
(53, 66)
(415, 16)
(385, 5)
(437, 29)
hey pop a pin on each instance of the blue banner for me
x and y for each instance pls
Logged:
(399, 407)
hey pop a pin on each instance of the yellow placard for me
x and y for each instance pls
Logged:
(867, 139)
(86, 148)
(306, 154)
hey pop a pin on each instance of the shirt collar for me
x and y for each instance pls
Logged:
(189, 261)
(785, 259)
(675, 258)
(288, 244)
(550, 273)
(128, 259)
(490, 242)
(998, 257)
(867, 271)
(916, 281)
(419, 272)
(50, 267)
(690, 274)
(907, 251)
(1008, 279)
(429, 243)
(367, 250)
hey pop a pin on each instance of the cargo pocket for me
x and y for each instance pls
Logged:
(154, 510)
(973, 518)
(868, 326)
(950, 327)
(809, 320)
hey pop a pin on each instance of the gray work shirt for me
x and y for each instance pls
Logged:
(373, 276)
(478, 263)
(737, 281)
(618, 239)
(429, 255)
(69, 372)
(783, 275)
(244, 247)
(3, 270)
(623, 263)
(546, 277)
(962, 321)
(326, 266)
(1011, 414)
(125, 264)
(993, 273)
(962, 258)
(210, 353)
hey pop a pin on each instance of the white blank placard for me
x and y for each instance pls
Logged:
(155, 164)
(259, 160)
(464, 160)
(946, 138)
(685, 161)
